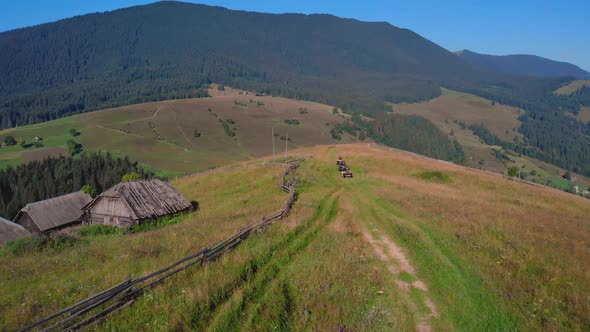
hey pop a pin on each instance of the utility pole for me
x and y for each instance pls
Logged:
(286, 142)
(273, 142)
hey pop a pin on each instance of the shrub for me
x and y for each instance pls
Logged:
(56, 241)
(62, 240)
(130, 177)
(513, 171)
(293, 122)
(25, 244)
(228, 131)
(9, 140)
(336, 133)
(90, 190)
(434, 176)
(155, 224)
(94, 230)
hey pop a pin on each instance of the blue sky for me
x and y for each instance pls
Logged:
(559, 30)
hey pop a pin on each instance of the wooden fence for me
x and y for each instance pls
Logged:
(122, 295)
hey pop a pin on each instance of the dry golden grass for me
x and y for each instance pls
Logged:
(500, 119)
(162, 134)
(572, 87)
(584, 115)
(529, 243)
(492, 254)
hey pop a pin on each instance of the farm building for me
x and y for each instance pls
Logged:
(52, 214)
(10, 231)
(128, 203)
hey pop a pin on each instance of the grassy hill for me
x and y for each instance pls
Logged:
(184, 136)
(454, 112)
(407, 243)
(572, 87)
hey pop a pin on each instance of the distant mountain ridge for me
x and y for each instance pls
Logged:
(524, 64)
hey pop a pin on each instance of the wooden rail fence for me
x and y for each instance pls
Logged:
(122, 295)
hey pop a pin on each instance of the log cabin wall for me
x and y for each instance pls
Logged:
(110, 211)
(27, 222)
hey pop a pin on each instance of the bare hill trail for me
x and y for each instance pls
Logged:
(408, 244)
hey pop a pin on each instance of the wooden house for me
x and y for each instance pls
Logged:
(52, 214)
(10, 231)
(128, 203)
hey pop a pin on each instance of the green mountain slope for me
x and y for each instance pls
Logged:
(522, 64)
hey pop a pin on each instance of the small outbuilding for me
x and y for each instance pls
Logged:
(53, 214)
(129, 203)
(10, 231)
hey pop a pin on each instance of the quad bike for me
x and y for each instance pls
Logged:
(346, 173)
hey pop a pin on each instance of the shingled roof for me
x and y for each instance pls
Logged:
(56, 212)
(146, 199)
(10, 231)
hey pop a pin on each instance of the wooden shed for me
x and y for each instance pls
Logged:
(128, 203)
(52, 214)
(10, 231)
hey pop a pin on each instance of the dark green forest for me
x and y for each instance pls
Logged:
(170, 50)
(39, 180)
(410, 133)
(416, 134)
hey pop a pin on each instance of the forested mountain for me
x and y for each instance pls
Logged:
(53, 177)
(171, 50)
(524, 65)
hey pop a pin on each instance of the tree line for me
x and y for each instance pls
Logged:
(51, 177)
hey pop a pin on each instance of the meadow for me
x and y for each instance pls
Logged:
(409, 243)
(178, 137)
(453, 112)
(572, 87)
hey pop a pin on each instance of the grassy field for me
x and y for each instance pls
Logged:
(453, 108)
(407, 244)
(454, 111)
(584, 115)
(572, 87)
(183, 136)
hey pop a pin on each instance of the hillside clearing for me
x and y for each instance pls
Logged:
(453, 106)
(162, 135)
(572, 87)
